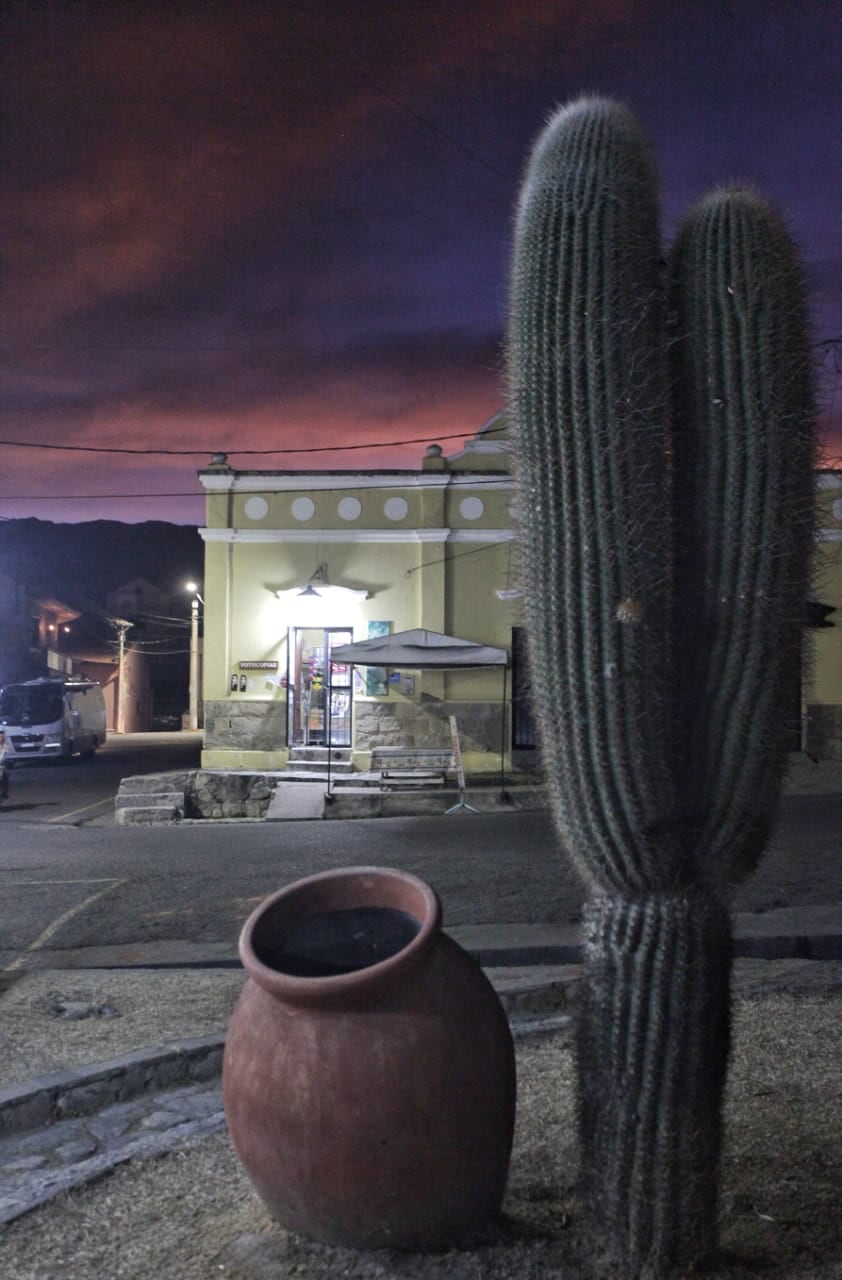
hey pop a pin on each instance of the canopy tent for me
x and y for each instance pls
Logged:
(425, 650)
(422, 650)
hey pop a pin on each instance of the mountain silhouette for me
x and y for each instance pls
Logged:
(81, 563)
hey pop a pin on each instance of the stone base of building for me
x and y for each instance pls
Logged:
(253, 734)
(823, 731)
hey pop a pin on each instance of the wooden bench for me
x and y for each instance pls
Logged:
(412, 766)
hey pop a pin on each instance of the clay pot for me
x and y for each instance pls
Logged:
(368, 1078)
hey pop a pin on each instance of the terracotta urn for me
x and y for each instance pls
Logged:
(368, 1077)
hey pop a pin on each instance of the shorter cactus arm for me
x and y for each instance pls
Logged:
(743, 455)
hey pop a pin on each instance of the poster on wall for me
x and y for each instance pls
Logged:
(377, 678)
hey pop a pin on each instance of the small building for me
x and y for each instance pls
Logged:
(299, 563)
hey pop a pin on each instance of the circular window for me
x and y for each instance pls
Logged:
(256, 508)
(349, 508)
(303, 508)
(395, 508)
(471, 508)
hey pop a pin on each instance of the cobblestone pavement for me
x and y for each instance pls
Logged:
(38, 1164)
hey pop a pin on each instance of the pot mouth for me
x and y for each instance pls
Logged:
(339, 931)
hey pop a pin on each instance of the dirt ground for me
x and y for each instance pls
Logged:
(192, 1214)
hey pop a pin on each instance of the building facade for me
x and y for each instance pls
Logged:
(822, 666)
(299, 563)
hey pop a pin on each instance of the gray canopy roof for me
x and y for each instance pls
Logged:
(420, 649)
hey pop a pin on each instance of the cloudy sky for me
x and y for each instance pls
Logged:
(285, 226)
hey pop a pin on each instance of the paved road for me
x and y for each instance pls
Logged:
(83, 791)
(95, 895)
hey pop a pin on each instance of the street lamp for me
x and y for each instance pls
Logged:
(193, 708)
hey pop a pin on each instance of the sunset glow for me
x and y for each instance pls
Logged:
(278, 227)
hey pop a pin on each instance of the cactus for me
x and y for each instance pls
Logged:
(663, 455)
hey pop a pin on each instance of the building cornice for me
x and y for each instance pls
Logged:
(383, 536)
(265, 482)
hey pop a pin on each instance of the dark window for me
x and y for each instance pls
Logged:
(524, 733)
(31, 704)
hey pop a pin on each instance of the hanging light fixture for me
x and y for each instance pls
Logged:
(318, 575)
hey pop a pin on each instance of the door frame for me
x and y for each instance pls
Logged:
(298, 732)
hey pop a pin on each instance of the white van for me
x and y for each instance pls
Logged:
(52, 719)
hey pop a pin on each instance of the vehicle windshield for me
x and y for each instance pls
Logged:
(33, 704)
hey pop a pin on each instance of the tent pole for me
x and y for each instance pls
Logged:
(503, 737)
(329, 691)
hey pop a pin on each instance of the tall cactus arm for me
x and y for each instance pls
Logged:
(743, 458)
(589, 394)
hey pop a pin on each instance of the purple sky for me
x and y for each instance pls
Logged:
(287, 225)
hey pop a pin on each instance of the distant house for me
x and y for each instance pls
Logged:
(43, 636)
(127, 691)
(161, 631)
(34, 632)
(136, 599)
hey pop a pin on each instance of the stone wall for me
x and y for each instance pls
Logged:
(245, 725)
(427, 724)
(169, 797)
(228, 795)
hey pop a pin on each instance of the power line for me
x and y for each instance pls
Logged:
(196, 453)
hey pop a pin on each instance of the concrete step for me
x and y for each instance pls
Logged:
(137, 815)
(318, 766)
(319, 753)
(150, 800)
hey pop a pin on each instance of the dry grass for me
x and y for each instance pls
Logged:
(192, 1214)
(151, 1008)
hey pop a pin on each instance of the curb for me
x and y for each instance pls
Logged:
(46, 1099)
(64, 1094)
(531, 1006)
(826, 946)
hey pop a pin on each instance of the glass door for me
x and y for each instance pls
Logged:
(318, 690)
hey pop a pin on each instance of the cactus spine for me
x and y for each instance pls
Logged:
(665, 490)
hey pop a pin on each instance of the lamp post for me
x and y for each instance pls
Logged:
(193, 707)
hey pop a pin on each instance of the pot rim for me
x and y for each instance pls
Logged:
(307, 990)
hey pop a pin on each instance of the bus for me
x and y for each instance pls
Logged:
(52, 719)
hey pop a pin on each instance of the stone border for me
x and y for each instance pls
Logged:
(530, 1005)
(83, 1090)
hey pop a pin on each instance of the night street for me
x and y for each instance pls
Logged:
(170, 893)
(83, 791)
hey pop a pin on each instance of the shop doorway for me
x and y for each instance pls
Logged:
(318, 689)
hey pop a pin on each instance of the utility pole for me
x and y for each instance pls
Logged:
(119, 717)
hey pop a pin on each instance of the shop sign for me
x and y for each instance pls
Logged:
(258, 666)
